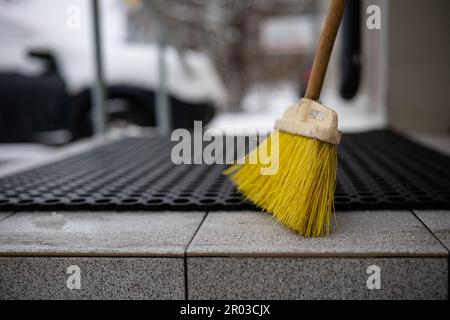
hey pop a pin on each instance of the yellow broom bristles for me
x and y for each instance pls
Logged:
(300, 194)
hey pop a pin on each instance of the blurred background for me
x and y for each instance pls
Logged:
(73, 68)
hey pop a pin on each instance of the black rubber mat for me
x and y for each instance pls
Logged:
(377, 170)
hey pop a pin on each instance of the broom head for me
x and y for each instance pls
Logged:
(298, 186)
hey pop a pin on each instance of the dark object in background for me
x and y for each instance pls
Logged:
(135, 105)
(30, 105)
(51, 66)
(350, 60)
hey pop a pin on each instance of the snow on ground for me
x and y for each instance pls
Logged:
(264, 105)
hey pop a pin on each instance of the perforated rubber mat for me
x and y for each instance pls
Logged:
(377, 170)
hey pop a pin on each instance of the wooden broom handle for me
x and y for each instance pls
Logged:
(323, 53)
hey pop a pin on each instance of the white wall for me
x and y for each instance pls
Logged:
(419, 65)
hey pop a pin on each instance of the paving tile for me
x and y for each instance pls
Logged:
(99, 278)
(438, 222)
(358, 234)
(98, 234)
(316, 278)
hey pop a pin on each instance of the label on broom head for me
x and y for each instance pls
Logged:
(316, 115)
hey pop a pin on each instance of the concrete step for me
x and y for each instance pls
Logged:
(221, 255)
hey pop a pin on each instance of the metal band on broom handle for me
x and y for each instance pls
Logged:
(323, 53)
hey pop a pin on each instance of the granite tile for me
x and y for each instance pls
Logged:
(357, 234)
(98, 234)
(99, 278)
(438, 222)
(316, 278)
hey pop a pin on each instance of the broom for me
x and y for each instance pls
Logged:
(301, 193)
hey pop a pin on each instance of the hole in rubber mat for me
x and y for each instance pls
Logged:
(377, 170)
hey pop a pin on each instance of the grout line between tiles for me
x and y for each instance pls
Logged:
(7, 216)
(186, 291)
(448, 250)
(431, 231)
